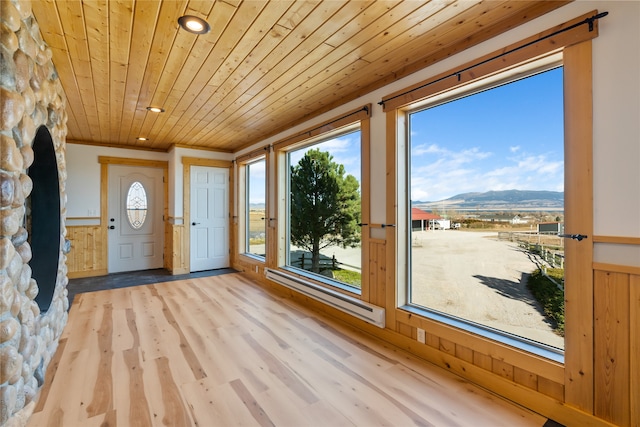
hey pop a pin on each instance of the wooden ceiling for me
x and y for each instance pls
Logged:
(265, 66)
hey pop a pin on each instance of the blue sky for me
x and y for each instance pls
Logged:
(345, 150)
(510, 137)
(257, 182)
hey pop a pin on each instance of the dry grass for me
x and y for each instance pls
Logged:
(257, 226)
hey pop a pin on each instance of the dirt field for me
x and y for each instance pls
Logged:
(474, 276)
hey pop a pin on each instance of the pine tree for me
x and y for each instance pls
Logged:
(325, 205)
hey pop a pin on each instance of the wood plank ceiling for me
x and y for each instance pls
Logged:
(265, 65)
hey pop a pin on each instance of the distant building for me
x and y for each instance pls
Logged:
(423, 220)
(551, 228)
(521, 220)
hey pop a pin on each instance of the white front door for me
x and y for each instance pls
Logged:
(209, 217)
(135, 208)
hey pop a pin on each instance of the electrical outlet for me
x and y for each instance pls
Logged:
(421, 335)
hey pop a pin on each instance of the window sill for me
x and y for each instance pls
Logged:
(535, 348)
(253, 257)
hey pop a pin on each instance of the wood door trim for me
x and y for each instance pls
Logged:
(187, 162)
(104, 162)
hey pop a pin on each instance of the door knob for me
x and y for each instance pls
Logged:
(195, 223)
(112, 227)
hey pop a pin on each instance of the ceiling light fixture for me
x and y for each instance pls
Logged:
(194, 25)
(142, 138)
(155, 109)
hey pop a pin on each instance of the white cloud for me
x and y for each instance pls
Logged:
(438, 173)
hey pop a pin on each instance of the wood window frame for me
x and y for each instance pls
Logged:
(577, 372)
(240, 214)
(280, 148)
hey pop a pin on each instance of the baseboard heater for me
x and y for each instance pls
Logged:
(353, 306)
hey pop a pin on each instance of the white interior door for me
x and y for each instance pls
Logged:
(209, 218)
(135, 206)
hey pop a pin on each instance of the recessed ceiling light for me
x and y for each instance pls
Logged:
(156, 109)
(194, 25)
(142, 138)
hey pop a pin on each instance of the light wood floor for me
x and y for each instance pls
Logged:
(220, 351)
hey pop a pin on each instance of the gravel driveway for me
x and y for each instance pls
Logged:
(474, 276)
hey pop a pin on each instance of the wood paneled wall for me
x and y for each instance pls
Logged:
(375, 290)
(617, 344)
(86, 256)
(175, 256)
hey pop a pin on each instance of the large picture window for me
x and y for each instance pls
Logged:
(323, 237)
(486, 206)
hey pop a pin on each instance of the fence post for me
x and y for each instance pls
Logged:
(302, 261)
(333, 262)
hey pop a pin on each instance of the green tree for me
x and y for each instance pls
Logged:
(325, 205)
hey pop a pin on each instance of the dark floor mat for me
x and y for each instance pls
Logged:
(133, 278)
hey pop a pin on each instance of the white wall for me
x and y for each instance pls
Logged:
(176, 182)
(83, 182)
(616, 98)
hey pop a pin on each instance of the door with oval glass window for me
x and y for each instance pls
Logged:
(135, 205)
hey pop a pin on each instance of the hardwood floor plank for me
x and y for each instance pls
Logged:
(213, 404)
(62, 407)
(223, 351)
(123, 337)
(413, 416)
(323, 415)
(103, 387)
(51, 373)
(282, 371)
(139, 412)
(187, 351)
(175, 412)
(317, 337)
(252, 405)
(157, 337)
(282, 343)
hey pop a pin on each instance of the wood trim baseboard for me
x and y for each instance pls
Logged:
(619, 240)
(616, 268)
(89, 273)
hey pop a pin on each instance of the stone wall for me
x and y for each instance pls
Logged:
(31, 96)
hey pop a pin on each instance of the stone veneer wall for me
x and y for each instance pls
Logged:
(30, 96)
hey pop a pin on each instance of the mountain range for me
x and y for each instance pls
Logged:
(506, 199)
